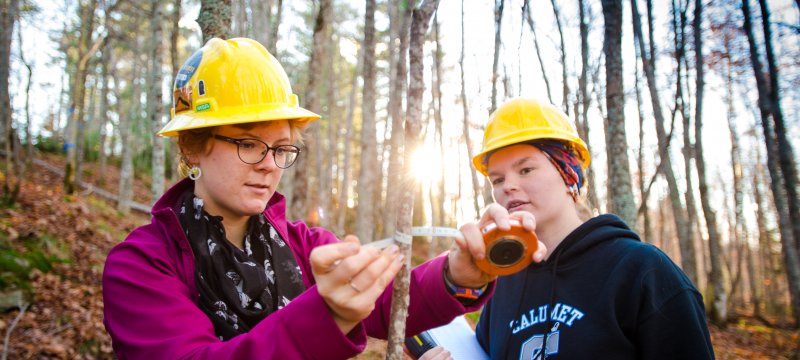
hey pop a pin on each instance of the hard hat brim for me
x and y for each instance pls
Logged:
(235, 115)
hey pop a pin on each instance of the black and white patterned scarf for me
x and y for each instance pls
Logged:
(238, 287)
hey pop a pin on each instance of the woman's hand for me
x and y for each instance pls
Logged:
(463, 271)
(351, 277)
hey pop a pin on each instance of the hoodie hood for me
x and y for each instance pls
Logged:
(588, 235)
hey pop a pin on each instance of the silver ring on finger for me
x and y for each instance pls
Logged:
(353, 286)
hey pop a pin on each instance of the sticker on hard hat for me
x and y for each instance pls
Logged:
(182, 98)
(202, 107)
(188, 69)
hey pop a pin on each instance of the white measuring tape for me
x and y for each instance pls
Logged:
(431, 231)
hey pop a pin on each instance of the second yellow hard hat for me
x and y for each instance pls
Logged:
(520, 120)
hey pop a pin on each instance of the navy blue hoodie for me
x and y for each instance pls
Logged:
(602, 294)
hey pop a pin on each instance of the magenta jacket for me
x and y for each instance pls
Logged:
(151, 299)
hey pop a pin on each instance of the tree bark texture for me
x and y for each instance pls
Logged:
(785, 151)
(215, 19)
(476, 188)
(584, 100)
(307, 172)
(529, 18)
(348, 138)
(78, 93)
(620, 195)
(396, 113)
(498, 22)
(413, 126)
(564, 81)
(154, 96)
(367, 176)
(788, 242)
(126, 125)
(8, 16)
(688, 262)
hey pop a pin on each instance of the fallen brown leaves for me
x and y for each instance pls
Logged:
(65, 319)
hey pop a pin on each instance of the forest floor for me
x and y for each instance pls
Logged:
(53, 247)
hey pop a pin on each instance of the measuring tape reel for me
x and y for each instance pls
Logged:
(507, 251)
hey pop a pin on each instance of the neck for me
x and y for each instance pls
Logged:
(554, 232)
(234, 231)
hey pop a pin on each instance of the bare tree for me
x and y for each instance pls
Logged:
(785, 151)
(215, 19)
(348, 136)
(584, 100)
(8, 16)
(620, 195)
(78, 92)
(367, 179)
(416, 87)
(498, 22)
(476, 189)
(154, 105)
(564, 81)
(688, 262)
(308, 170)
(398, 84)
(526, 9)
(128, 141)
(788, 244)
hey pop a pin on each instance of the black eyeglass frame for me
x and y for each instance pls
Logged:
(238, 143)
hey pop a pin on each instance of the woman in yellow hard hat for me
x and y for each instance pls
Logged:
(220, 273)
(600, 292)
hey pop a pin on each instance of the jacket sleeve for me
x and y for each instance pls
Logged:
(672, 322)
(150, 314)
(678, 331)
(430, 304)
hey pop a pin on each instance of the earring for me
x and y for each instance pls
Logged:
(195, 172)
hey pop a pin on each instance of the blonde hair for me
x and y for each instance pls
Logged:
(195, 141)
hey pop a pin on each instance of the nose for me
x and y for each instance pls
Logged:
(268, 163)
(510, 184)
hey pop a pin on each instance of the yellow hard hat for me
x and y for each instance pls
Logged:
(521, 120)
(229, 82)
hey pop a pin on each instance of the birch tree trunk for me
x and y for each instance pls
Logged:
(584, 100)
(154, 105)
(106, 61)
(620, 195)
(126, 123)
(788, 244)
(367, 178)
(8, 16)
(215, 19)
(679, 25)
(78, 93)
(397, 115)
(688, 261)
(416, 87)
(564, 81)
(785, 151)
(307, 171)
(348, 138)
(175, 31)
(527, 10)
(476, 188)
(498, 22)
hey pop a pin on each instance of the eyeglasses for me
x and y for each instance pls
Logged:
(253, 151)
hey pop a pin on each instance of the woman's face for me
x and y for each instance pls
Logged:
(231, 188)
(524, 179)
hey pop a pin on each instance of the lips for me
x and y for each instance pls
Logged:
(258, 188)
(513, 204)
